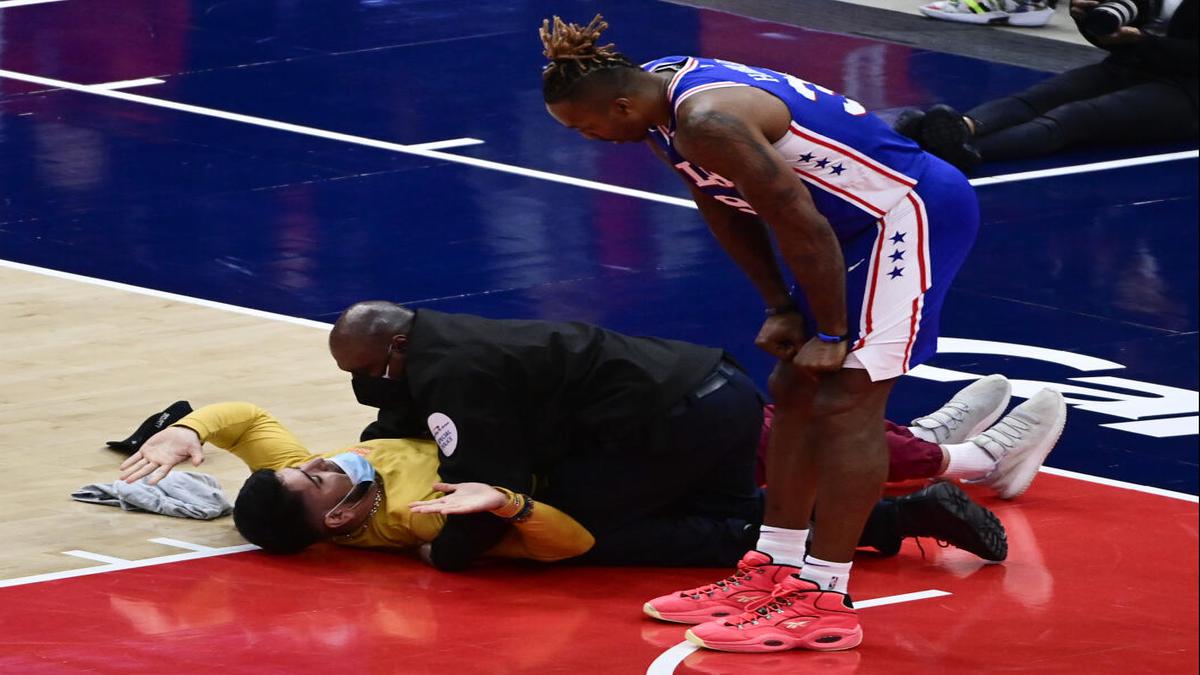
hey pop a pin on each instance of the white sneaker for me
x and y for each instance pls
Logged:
(973, 409)
(1021, 441)
(1005, 12)
(1030, 14)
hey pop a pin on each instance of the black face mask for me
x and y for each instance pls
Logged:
(383, 392)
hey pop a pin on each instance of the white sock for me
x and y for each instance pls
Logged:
(786, 547)
(923, 434)
(967, 461)
(830, 576)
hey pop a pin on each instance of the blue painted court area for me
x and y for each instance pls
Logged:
(1098, 269)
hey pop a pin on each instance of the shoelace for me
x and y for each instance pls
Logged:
(743, 572)
(1006, 433)
(941, 543)
(951, 415)
(947, 418)
(763, 608)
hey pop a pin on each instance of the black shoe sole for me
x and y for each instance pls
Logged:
(944, 133)
(943, 128)
(944, 512)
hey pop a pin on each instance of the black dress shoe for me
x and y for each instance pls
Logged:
(910, 123)
(153, 424)
(945, 133)
(944, 512)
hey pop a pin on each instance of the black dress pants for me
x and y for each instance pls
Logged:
(690, 500)
(1102, 104)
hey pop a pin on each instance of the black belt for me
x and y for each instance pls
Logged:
(718, 378)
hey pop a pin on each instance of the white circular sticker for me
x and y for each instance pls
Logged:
(445, 434)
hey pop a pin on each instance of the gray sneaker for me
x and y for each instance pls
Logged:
(1021, 441)
(973, 409)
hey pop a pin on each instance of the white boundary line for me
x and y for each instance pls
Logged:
(1112, 482)
(430, 150)
(20, 3)
(164, 295)
(88, 555)
(126, 565)
(666, 662)
(903, 597)
(450, 143)
(346, 138)
(179, 543)
(129, 84)
(1085, 168)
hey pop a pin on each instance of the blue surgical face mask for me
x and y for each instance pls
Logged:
(355, 466)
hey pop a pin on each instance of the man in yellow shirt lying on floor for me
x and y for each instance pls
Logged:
(384, 493)
(387, 493)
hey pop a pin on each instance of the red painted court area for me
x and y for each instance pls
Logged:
(1100, 579)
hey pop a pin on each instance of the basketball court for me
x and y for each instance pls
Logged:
(192, 190)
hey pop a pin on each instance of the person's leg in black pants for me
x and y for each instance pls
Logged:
(1150, 112)
(1074, 85)
(946, 132)
(686, 502)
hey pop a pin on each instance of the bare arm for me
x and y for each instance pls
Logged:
(726, 131)
(745, 238)
(244, 429)
(547, 534)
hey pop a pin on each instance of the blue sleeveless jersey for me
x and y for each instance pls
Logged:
(856, 167)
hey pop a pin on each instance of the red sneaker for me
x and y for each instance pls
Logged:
(798, 615)
(755, 578)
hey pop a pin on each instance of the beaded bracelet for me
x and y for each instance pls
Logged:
(518, 509)
(525, 512)
(512, 507)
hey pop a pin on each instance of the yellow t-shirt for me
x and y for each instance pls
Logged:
(408, 469)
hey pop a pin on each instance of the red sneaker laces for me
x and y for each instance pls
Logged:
(763, 608)
(743, 572)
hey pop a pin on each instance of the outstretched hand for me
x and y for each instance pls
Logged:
(160, 454)
(461, 498)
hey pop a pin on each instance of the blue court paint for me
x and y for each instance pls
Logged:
(1101, 264)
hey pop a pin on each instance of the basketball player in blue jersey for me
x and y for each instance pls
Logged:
(871, 228)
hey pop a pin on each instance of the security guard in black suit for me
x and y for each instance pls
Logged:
(661, 434)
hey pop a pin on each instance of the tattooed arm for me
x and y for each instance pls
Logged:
(727, 131)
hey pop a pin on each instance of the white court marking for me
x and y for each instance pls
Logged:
(1085, 168)
(117, 564)
(179, 543)
(430, 150)
(1111, 482)
(451, 143)
(667, 661)
(20, 3)
(346, 138)
(118, 84)
(129, 84)
(98, 557)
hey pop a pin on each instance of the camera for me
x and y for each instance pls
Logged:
(1110, 16)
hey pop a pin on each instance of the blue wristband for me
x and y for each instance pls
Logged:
(832, 338)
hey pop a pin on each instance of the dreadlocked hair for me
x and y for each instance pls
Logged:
(574, 55)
